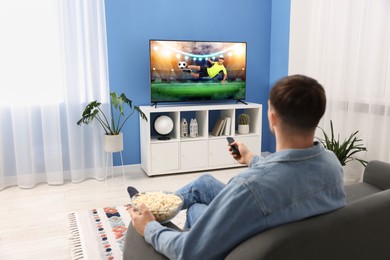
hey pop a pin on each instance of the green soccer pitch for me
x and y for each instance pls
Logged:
(175, 91)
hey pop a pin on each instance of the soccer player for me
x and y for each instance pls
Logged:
(213, 71)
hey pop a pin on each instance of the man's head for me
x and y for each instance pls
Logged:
(221, 60)
(298, 102)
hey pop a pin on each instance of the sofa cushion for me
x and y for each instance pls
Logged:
(359, 190)
(377, 173)
(360, 230)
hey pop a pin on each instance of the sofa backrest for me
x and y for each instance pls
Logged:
(377, 173)
(360, 230)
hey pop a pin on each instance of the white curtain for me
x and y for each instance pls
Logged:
(53, 62)
(345, 44)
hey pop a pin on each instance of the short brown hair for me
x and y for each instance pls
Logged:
(299, 101)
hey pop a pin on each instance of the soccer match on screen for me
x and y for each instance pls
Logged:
(197, 70)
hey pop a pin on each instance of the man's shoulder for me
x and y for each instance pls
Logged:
(287, 168)
(251, 174)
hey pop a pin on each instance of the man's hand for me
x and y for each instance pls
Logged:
(245, 156)
(140, 218)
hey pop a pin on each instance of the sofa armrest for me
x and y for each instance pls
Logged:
(359, 231)
(136, 247)
(377, 173)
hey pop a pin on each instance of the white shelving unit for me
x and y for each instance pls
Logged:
(204, 152)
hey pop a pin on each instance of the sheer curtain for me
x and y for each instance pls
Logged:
(53, 61)
(346, 46)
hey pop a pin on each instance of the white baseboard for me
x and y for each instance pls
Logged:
(129, 168)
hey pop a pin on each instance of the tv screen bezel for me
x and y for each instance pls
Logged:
(195, 100)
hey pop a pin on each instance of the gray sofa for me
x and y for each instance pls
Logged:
(360, 230)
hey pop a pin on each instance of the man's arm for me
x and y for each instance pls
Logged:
(224, 76)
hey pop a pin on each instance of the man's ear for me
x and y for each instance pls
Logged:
(273, 119)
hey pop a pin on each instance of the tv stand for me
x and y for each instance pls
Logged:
(240, 101)
(181, 154)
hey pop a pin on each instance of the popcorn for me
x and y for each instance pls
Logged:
(164, 206)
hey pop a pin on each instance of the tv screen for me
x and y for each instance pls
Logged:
(184, 71)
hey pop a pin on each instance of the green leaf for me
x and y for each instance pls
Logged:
(344, 150)
(117, 104)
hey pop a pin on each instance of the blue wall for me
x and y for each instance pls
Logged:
(280, 33)
(131, 23)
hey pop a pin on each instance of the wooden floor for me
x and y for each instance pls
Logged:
(34, 223)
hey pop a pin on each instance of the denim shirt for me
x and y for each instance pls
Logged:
(285, 186)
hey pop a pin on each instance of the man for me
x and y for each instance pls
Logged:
(299, 180)
(213, 71)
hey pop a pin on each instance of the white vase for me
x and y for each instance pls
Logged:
(243, 129)
(113, 143)
(353, 172)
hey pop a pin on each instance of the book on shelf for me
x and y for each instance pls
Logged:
(222, 126)
(218, 126)
(227, 125)
(222, 130)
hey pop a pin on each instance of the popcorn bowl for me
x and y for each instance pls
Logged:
(163, 205)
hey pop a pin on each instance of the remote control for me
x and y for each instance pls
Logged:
(234, 148)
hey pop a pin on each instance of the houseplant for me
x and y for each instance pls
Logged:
(344, 150)
(112, 128)
(243, 123)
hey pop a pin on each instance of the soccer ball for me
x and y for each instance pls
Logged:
(182, 65)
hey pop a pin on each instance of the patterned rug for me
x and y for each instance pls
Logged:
(100, 233)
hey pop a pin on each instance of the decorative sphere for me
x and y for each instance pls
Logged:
(163, 125)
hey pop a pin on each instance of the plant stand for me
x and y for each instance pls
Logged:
(114, 144)
(112, 168)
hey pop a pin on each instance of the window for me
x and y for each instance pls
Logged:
(30, 53)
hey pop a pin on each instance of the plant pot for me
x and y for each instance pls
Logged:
(113, 143)
(243, 129)
(353, 172)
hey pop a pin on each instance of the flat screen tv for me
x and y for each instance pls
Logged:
(185, 71)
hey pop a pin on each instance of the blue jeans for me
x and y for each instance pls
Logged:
(197, 195)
